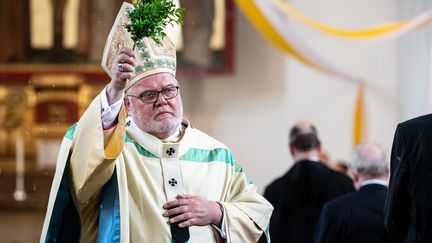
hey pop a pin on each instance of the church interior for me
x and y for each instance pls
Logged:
(247, 74)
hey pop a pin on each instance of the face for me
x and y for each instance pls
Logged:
(160, 118)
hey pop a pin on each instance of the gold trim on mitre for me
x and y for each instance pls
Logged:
(151, 57)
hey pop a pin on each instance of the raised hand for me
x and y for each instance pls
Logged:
(122, 70)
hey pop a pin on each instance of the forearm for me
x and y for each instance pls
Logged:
(113, 95)
(93, 156)
(109, 109)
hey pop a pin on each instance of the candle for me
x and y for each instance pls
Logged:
(19, 194)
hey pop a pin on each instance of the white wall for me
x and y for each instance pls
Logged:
(374, 61)
(252, 110)
(414, 64)
(246, 110)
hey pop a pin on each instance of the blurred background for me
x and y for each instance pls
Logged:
(236, 85)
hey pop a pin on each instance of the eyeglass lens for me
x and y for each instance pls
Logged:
(152, 95)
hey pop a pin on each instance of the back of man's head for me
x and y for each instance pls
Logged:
(303, 137)
(369, 160)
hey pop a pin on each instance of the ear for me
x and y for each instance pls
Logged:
(319, 147)
(292, 149)
(126, 101)
(356, 177)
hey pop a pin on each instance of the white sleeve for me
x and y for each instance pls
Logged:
(109, 112)
(224, 226)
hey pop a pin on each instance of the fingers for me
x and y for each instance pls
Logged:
(122, 69)
(189, 210)
(126, 57)
(127, 72)
(123, 64)
(181, 210)
(188, 223)
(126, 51)
(183, 215)
(180, 218)
(184, 196)
(181, 200)
(178, 213)
(175, 211)
(127, 62)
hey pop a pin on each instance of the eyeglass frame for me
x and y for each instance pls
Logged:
(157, 94)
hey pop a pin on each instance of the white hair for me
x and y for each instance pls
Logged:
(370, 160)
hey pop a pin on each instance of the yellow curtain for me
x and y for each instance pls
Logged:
(292, 47)
(265, 28)
(390, 29)
(297, 50)
(359, 126)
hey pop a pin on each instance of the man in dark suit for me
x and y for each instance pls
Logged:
(298, 196)
(408, 211)
(359, 216)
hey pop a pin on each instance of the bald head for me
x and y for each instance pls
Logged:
(369, 160)
(304, 137)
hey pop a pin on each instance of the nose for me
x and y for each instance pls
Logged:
(160, 99)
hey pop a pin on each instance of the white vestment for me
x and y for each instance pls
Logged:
(137, 173)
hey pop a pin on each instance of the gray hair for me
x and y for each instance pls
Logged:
(369, 160)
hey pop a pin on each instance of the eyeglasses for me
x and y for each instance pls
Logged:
(151, 96)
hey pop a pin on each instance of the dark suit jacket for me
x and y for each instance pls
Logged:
(408, 211)
(357, 217)
(298, 197)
